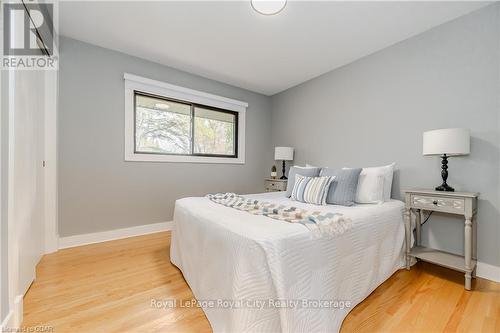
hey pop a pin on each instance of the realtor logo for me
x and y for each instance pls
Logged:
(28, 35)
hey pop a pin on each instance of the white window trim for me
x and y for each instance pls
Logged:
(134, 82)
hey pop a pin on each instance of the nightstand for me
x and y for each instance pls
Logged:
(275, 185)
(459, 203)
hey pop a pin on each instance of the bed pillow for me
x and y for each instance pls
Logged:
(372, 187)
(343, 188)
(303, 171)
(388, 172)
(312, 190)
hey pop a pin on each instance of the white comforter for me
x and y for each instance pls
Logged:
(230, 255)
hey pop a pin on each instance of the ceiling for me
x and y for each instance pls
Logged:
(229, 42)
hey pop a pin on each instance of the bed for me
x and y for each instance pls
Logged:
(255, 274)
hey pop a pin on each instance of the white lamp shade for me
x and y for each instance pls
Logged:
(283, 153)
(449, 141)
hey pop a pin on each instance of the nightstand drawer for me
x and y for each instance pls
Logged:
(273, 189)
(275, 185)
(448, 205)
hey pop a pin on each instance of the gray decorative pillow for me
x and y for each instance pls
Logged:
(295, 170)
(343, 188)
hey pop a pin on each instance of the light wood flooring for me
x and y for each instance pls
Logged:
(109, 287)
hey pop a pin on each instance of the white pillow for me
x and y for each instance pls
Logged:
(375, 184)
(370, 187)
(388, 176)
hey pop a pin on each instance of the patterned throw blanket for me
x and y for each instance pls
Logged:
(326, 224)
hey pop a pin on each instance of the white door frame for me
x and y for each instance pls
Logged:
(51, 106)
(13, 246)
(7, 167)
(51, 146)
(2, 184)
(50, 242)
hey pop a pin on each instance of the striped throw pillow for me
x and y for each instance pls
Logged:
(313, 190)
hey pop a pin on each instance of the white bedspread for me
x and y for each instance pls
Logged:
(231, 255)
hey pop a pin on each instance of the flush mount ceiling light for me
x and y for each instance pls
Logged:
(268, 7)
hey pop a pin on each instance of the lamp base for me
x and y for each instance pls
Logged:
(283, 170)
(444, 174)
(445, 188)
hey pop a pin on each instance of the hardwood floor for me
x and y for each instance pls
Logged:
(109, 287)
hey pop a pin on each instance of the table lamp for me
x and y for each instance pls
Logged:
(446, 143)
(283, 154)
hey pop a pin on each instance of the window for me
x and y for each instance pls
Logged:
(167, 123)
(215, 132)
(166, 126)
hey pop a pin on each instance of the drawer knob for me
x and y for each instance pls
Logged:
(435, 202)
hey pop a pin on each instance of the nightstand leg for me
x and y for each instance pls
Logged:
(474, 237)
(407, 218)
(418, 221)
(468, 280)
(468, 252)
(474, 242)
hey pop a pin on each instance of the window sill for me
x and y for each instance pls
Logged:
(137, 157)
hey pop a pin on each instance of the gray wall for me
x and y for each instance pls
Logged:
(98, 190)
(373, 112)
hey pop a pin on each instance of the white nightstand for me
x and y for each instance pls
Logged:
(275, 185)
(460, 203)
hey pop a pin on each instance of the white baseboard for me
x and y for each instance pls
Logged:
(488, 272)
(52, 244)
(8, 322)
(13, 320)
(17, 318)
(98, 237)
